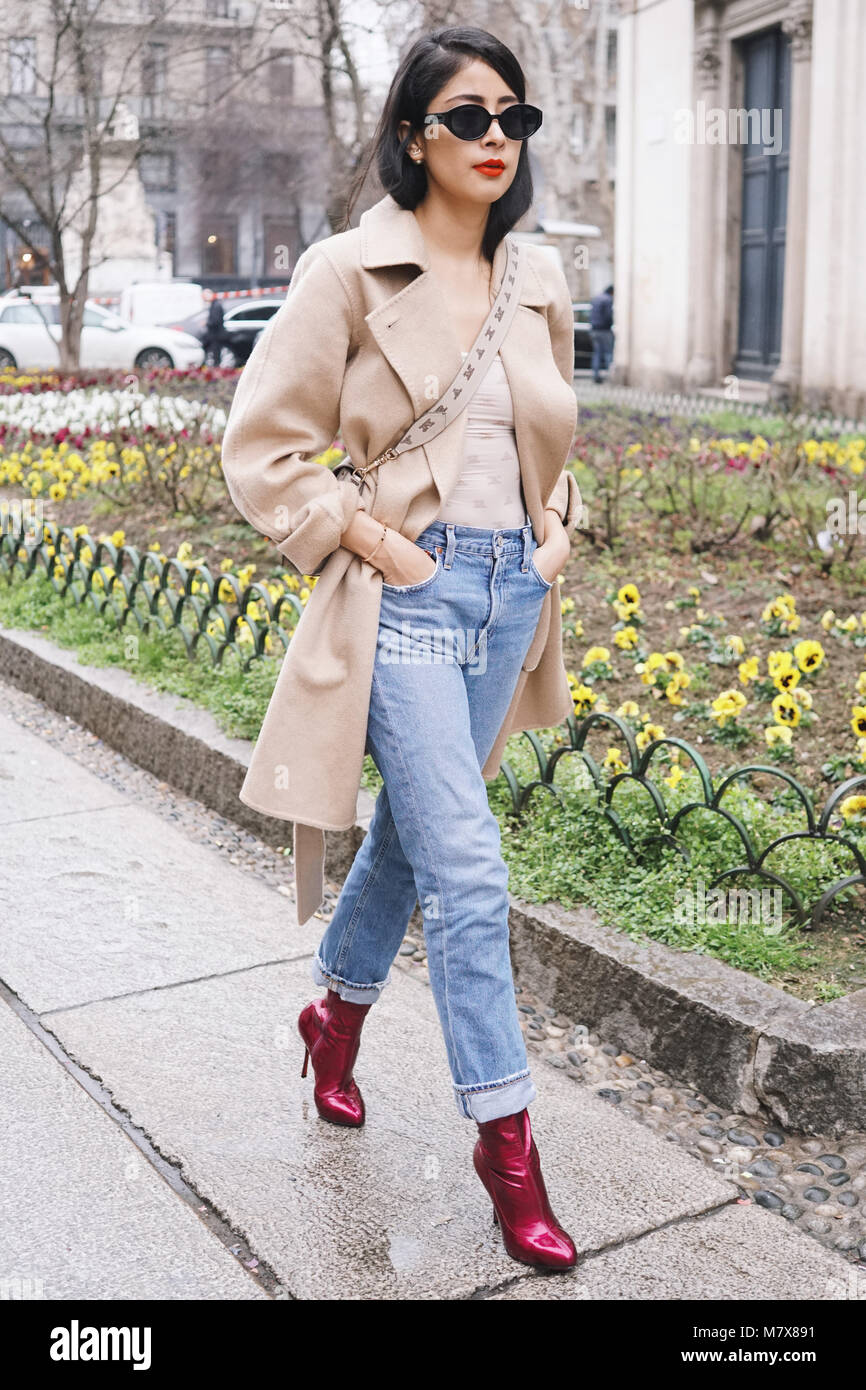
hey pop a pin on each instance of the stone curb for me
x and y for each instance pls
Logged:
(739, 1041)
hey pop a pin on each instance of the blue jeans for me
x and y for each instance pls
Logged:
(448, 657)
(602, 350)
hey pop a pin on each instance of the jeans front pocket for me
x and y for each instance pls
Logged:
(534, 570)
(416, 588)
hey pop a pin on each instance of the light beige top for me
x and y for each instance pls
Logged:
(488, 490)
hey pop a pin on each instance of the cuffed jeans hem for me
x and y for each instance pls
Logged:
(347, 989)
(494, 1101)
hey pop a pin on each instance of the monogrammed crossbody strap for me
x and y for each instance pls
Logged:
(470, 376)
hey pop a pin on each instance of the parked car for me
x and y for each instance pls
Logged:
(582, 336)
(30, 333)
(243, 321)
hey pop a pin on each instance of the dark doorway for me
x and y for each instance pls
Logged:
(766, 90)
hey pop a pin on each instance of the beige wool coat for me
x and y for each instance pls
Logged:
(362, 347)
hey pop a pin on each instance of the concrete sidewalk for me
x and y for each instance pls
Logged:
(174, 980)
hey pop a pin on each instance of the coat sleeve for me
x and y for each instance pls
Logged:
(285, 411)
(565, 498)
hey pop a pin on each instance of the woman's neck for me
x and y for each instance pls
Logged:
(453, 230)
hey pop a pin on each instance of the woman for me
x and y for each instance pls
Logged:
(434, 628)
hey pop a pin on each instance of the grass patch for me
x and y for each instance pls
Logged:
(237, 699)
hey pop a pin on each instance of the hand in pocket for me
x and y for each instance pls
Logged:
(403, 562)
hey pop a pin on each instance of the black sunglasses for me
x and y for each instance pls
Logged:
(470, 122)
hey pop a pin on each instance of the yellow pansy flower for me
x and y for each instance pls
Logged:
(777, 733)
(787, 678)
(583, 698)
(809, 655)
(613, 760)
(629, 709)
(786, 711)
(778, 662)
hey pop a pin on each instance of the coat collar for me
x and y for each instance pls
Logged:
(415, 334)
(391, 235)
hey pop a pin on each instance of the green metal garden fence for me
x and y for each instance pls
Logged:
(123, 584)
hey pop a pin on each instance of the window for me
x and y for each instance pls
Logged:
(157, 171)
(22, 313)
(169, 233)
(92, 319)
(256, 313)
(217, 9)
(278, 169)
(577, 130)
(217, 70)
(95, 78)
(281, 74)
(154, 68)
(22, 66)
(280, 247)
(611, 55)
(218, 246)
(610, 135)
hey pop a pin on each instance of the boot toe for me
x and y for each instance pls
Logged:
(555, 1251)
(342, 1107)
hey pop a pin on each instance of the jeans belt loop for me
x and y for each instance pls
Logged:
(450, 546)
(527, 550)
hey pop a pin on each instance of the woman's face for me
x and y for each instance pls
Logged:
(453, 163)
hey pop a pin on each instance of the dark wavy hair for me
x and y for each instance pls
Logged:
(432, 60)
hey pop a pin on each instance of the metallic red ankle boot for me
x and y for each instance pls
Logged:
(331, 1030)
(506, 1160)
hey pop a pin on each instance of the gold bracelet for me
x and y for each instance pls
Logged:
(369, 557)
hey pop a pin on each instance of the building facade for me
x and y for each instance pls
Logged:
(230, 164)
(741, 199)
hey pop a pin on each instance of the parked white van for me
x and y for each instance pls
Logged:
(161, 301)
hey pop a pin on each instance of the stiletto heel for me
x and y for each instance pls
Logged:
(330, 1029)
(506, 1160)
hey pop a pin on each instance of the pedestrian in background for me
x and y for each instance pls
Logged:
(601, 331)
(214, 333)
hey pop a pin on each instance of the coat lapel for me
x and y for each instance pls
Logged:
(415, 333)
